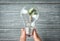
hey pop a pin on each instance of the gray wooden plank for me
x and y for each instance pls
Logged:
(29, 1)
(48, 25)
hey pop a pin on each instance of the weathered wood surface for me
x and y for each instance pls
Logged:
(48, 25)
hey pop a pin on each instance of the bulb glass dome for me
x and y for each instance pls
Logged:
(30, 16)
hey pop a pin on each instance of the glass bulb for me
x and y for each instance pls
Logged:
(29, 15)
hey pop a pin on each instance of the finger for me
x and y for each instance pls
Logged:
(23, 32)
(23, 35)
(35, 35)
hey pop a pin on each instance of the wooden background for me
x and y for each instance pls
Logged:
(48, 25)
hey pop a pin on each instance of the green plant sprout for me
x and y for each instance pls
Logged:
(32, 11)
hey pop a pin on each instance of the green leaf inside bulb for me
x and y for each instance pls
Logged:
(32, 11)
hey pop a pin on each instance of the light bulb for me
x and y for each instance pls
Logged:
(29, 15)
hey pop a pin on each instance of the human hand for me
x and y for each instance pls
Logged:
(23, 35)
(34, 35)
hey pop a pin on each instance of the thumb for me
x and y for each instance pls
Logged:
(35, 35)
(23, 35)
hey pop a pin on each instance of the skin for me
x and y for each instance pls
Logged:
(34, 35)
